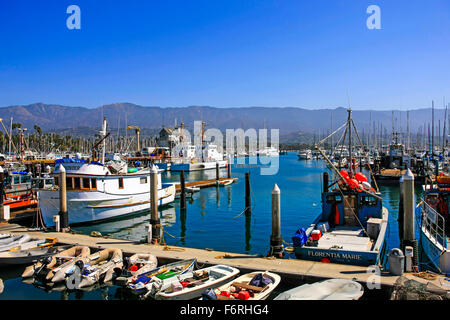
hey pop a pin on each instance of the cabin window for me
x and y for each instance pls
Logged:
(48, 181)
(77, 183)
(69, 184)
(16, 179)
(120, 183)
(26, 179)
(93, 183)
(144, 180)
(86, 184)
(334, 198)
(368, 201)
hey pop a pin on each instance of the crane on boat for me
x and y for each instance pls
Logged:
(138, 132)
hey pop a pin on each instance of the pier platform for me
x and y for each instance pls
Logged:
(291, 270)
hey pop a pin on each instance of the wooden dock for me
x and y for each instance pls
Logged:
(298, 270)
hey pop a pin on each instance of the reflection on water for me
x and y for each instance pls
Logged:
(131, 228)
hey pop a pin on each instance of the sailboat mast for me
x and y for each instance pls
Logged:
(350, 141)
(432, 129)
(104, 140)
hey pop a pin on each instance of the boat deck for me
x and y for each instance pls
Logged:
(345, 238)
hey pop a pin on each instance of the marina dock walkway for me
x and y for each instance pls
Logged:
(300, 270)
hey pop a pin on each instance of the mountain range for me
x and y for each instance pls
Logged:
(291, 121)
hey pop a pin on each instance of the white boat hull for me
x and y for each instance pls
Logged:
(197, 166)
(226, 274)
(95, 206)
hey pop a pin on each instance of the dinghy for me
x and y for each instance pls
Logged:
(10, 241)
(226, 183)
(45, 269)
(332, 289)
(256, 285)
(191, 285)
(138, 263)
(99, 267)
(29, 252)
(141, 283)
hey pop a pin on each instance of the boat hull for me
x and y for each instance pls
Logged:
(95, 206)
(439, 257)
(360, 258)
(197, 166)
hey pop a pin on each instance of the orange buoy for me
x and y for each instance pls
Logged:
(360, 177)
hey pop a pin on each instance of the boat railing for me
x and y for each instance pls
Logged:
(434, 223)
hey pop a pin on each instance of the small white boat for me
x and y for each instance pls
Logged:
(46, 268)
(332, 289)
(226, 183)
(29, 252)
(138, 263)
(100, 266)
(256, 285)
(191, 285)
(11, 241)
(192, 189)
(142, 262)
(141, 283)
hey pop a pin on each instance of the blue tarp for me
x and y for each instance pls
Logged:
(300, 238)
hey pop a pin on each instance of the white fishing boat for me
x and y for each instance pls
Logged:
(304, 154)
(191, 285)
(269, 152)
(191, 158)
(256, 285)
(332, 289)
(95, 194)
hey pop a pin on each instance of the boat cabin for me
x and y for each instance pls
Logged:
(351, 209)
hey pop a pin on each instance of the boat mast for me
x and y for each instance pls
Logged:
(10, 135)
(350, 140)
(104, 140)
(432, 130)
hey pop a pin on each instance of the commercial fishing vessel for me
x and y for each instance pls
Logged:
(352, 224)
(435, 223)
(95, 194)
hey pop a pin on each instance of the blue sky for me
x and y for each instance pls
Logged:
(230, 53)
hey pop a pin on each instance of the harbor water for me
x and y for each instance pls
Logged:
(215, 218)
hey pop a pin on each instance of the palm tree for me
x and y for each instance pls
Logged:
(39, 132)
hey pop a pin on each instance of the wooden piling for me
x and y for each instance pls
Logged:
(248, 205)
(325, 181)
(400, 212)
(63, 214)
(2, 207)
(217, 173)
(183, 191)
(154, 212)
(409, 214)
(229, 169)
(276, 246)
